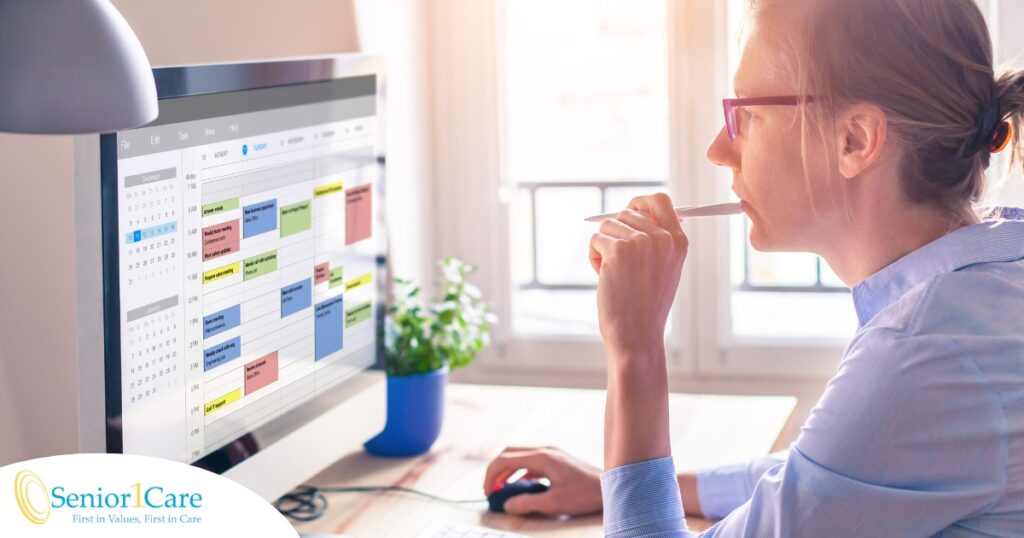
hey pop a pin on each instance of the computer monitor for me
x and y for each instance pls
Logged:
(243, 269)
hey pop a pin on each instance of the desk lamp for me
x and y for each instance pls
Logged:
(71, 67)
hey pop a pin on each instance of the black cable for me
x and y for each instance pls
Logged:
(307, 503)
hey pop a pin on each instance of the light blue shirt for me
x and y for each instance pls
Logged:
(920, 432)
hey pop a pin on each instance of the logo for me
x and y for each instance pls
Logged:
(123, 495)
(25, 482)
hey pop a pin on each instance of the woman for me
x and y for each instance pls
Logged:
(881, 118)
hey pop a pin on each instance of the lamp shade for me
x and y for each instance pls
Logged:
(71, 67)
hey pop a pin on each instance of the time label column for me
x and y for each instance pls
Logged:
(192, 303)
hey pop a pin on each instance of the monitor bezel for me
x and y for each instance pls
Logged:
(185, 81)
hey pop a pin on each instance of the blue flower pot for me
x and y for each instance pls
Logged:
(415, 413)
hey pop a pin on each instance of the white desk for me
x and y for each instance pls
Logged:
(481, 420)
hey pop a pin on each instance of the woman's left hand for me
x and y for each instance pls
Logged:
(638, 256)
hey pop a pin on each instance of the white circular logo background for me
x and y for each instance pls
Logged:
(112, 495)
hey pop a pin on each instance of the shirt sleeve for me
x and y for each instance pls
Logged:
(724, 489)
(907, 439)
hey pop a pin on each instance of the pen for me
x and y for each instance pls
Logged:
(686, 212)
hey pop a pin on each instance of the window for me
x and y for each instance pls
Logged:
(1004, 19)
(585, 98)
(547, 112)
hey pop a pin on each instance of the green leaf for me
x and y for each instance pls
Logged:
(452, 330)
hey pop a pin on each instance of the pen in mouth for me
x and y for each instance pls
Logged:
(688, 212)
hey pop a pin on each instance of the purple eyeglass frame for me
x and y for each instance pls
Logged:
(729, 106)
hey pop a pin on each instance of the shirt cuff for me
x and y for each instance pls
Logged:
(642, 499)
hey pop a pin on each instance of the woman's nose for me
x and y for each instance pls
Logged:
(722, 151)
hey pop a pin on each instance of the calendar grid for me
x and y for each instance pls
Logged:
(244, 273)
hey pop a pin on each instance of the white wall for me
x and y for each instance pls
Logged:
(1004, 17)
(200, 31)
(38, 373)
(37, 291)
(396, 29)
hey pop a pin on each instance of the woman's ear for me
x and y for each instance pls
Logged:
(861, 134)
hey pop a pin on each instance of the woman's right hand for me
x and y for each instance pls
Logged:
(575, 485)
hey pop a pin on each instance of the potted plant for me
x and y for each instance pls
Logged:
(422, 345)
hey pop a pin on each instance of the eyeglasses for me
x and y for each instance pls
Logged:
(729, 106)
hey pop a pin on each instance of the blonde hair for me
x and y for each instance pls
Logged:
(928, 64)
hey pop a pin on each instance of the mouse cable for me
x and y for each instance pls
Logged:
(307, 503)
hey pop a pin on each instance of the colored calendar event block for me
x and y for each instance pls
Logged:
(221, 321)
(222, 353)
(220, 239)
(219, 403)
(215, 208)
(260, 265)
(358, 213)
(358, 314)
(260, 373)
(336, 278)
(358, 282)
(296, 297)
(259, 218)
(225, 271)
(327, 190)
(296, 218)
(330, 315)
(321, 273)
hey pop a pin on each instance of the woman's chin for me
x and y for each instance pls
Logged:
(756, 241)
(759, 241)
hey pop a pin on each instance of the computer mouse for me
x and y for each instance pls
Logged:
(496, 500)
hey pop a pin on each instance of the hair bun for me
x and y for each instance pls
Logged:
(990, 126)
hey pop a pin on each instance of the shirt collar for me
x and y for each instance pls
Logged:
(1000, 238)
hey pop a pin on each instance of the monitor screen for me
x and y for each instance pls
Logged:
(242, 254)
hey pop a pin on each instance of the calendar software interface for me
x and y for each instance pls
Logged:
(246, 261)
